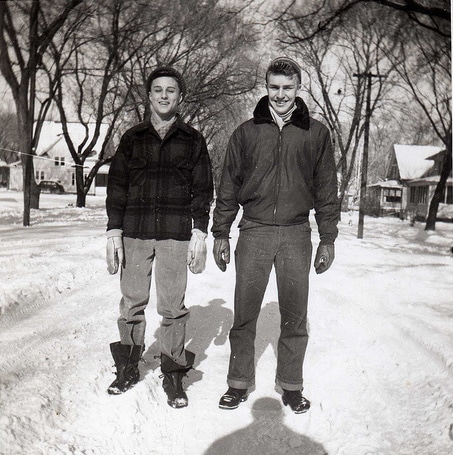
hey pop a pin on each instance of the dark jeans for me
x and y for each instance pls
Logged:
(260, 247)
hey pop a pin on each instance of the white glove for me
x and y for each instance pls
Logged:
(115, 250)
(196, 254)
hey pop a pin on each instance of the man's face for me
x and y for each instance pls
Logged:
(282, 91)
(164, 96)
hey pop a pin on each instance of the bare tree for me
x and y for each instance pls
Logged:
(425, 31)
(424, 65)
(26, 29)
(96, 62)
(126, 39)
(9, 138)
(433, 15)
(331, 62)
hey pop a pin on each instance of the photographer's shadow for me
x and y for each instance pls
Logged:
(266, 435)
(207, 324)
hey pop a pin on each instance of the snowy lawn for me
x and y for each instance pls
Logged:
(378, 371)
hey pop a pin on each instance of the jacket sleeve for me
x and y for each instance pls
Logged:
(117, 187)
(202, 187)
(325, 190)
(227, 205)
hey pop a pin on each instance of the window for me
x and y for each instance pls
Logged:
(59, 161)
(392, 195)
(419, 195)
(39, 175)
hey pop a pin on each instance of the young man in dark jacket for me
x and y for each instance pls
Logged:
(158, 199)
(278, 166)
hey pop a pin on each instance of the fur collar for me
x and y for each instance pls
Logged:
(300, 117)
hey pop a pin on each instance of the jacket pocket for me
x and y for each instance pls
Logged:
(137, 177)
(182, 168)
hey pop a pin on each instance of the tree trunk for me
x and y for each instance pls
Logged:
(35, 193)
(81, 196)
(440, 190)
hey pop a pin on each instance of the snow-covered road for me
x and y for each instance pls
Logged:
(379, 367)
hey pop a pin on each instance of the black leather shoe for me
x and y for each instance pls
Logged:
(232, 397)
(296, 401)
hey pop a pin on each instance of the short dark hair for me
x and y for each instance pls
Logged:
(286, 66)
(167, 71)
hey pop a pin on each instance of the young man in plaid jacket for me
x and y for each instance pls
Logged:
(158, 199)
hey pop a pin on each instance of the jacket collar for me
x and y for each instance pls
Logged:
(300, 117)
(179, 123)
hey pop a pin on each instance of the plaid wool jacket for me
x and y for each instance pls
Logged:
(160, 188)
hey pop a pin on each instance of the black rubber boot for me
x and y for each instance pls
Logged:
(173, 375)
(126, 357)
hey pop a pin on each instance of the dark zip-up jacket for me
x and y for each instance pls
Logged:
(279, 176)
(160, 189)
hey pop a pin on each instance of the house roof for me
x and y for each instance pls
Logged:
(415, 161)
(15, 164)
(388, 184)
(52, 141)
(433, 180)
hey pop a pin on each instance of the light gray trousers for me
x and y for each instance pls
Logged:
(169, 258)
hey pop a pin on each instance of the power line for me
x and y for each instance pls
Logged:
(35, 156)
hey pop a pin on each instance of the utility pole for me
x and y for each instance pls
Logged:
(363, 180)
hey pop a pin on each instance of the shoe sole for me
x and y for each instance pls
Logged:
(234, 407)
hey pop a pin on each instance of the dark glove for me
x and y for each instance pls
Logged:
(325, 255)
(222, 253)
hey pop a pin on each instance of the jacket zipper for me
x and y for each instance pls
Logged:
(277, 180)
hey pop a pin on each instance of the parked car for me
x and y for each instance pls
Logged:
(51, 186)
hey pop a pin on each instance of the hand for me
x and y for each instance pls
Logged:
(222, 253)
(196, 254)
(115, 253)
(324, 258)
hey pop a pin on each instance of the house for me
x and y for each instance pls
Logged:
(411, 179)
(53, 161)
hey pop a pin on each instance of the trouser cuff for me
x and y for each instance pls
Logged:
(238, 384)
(289, 385)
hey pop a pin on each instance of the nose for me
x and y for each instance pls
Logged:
(164, 94)
(280, 93)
